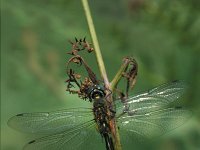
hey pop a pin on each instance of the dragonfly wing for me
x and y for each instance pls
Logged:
(137, 130)
(147, 115)
(50, 122)
(169, 91)
(152, 100)
(155, 123)
(76, 139)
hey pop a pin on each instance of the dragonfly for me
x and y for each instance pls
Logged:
(142, 116)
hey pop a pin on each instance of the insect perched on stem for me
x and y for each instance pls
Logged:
(139, 117)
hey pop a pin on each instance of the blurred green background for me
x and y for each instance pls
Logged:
(163, 36)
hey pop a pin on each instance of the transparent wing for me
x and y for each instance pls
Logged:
(147, 115)
(152, 100)
(140, 128)
(154, 123)
(81, 137)
(50, 122)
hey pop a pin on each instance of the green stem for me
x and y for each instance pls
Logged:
(117, 77)
(101, 66)
(119, 74)
(95, 42)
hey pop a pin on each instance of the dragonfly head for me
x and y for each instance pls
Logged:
(96, 92)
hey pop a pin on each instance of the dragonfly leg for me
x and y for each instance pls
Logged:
(123, 98)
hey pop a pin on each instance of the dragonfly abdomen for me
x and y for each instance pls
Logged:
(109, 142)
(102, 119)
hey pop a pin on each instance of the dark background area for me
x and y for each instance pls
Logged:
(163, 36)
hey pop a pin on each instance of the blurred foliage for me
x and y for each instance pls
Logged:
(163, 36)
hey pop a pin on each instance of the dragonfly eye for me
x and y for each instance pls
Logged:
(97, 93)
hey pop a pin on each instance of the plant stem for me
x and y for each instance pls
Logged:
(95, 42)
(117, 78)
(102, 69)
(119, 74)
